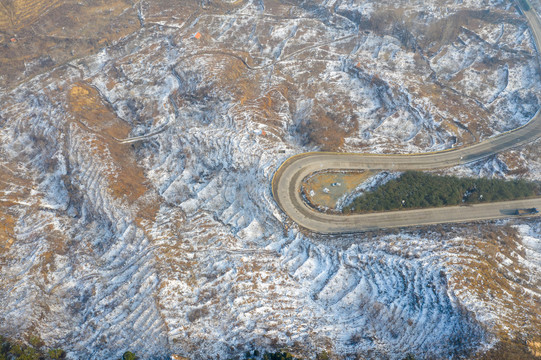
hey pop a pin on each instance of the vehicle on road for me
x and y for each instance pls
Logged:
(529, 211)
(288, 179)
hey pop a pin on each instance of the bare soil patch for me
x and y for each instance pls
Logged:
(323, 190)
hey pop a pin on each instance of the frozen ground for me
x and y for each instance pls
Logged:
(136, 205)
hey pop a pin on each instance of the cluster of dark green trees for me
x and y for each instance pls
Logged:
(284, 355)
(278, 355)
(15, 351)
(128, 355)
(414, 189)
(10, 350)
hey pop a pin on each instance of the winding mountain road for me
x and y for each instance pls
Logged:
(287, 180)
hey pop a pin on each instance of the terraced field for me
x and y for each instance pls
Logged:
(135, 206)
(37, 36)
(16, 14)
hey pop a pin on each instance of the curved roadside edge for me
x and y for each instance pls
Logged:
(317, 222)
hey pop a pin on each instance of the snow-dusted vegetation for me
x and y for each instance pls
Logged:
(136, 209)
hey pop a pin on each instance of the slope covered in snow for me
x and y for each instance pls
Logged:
(135, 183)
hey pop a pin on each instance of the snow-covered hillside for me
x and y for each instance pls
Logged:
(135, 195)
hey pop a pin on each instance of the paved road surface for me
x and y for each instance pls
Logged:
(287, 181)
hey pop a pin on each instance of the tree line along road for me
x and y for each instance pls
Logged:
(287, 181)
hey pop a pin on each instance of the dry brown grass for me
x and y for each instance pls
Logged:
(50, 33)
(14, 190)
(472, 117)
(515, 162)
(326, 129)
(88, 107)
(15, 14)
(511, 350)
(126, 178)
(502, 283)
(7, 235)
(535, 347)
